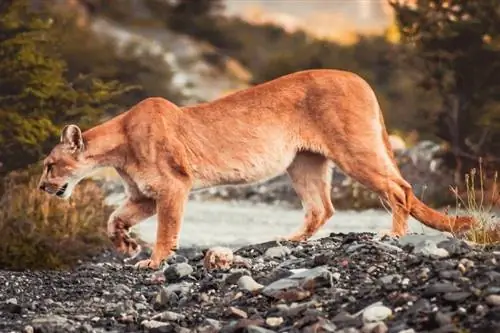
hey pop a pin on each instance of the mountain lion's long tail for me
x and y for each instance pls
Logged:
(436, 220)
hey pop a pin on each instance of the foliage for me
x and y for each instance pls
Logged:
(199, 19)
(458, 45)
(478, 202)
(93, 55)
(36, 96)
(40, 232)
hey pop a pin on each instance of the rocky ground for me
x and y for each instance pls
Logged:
(341, 283)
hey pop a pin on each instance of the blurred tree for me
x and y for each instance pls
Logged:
(201, 19)
(458, 44)
(89, 53)
(35, 97)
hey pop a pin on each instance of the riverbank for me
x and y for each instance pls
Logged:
(340, 283)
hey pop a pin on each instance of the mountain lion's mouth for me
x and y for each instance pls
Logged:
(62, 190)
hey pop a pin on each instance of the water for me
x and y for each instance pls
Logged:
(237, 224)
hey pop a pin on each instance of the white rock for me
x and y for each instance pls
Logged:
(376, 313)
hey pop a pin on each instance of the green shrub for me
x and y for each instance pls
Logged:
(41, 232)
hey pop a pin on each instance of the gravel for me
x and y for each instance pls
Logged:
(341, 283)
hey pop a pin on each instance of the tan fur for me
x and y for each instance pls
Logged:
(298, 123)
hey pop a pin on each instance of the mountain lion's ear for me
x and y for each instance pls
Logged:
(71, 136)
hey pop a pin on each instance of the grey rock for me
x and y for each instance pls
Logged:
(51, 323)
(235, 274)
(170, 295)
(157, 326)
(176, 259)
(247, 283)
(257, 329)
(416, 239)
(12, 306)
(457, 297)
(318, 276)
(429, 248)
(376, 327)
(440, 287)
(277, 252)
(178, 271)
(389, 279)
(294, 309)
(168, 316)
(348, 330)
(386, 246)
(354, 247)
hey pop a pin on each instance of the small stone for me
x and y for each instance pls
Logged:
(171, 294)
(457, 297)
(168, 316)
(237, 312)
(440, 287)
(310, 279)
(450, 275)
(140, 307)
(376, 313)
(218, 257)
(277, 252)
(239, 261)
(390, 279)
(50, 323)
(176, 272)
(176, 259)
(430, 249)
(377, 327)
(257, 329)
(493, 300)
(274, 321)
(235, 275)
(28, 329)
(156, 326)
(12, 306)
(442, 319)
(247, 283)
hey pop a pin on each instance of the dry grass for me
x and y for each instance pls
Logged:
(41, 232)
(479, 203)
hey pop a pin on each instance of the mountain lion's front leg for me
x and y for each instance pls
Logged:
(170, 208)
(131, 212)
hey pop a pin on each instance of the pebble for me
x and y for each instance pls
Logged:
(247, 283)
(176, 272)
(376, 313)
(274, 321)
(277, 252)
(493, 300)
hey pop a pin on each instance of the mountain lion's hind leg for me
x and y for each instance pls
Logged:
(310, 174)
(373, 166)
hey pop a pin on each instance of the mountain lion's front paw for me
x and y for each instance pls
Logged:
(148, 263)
